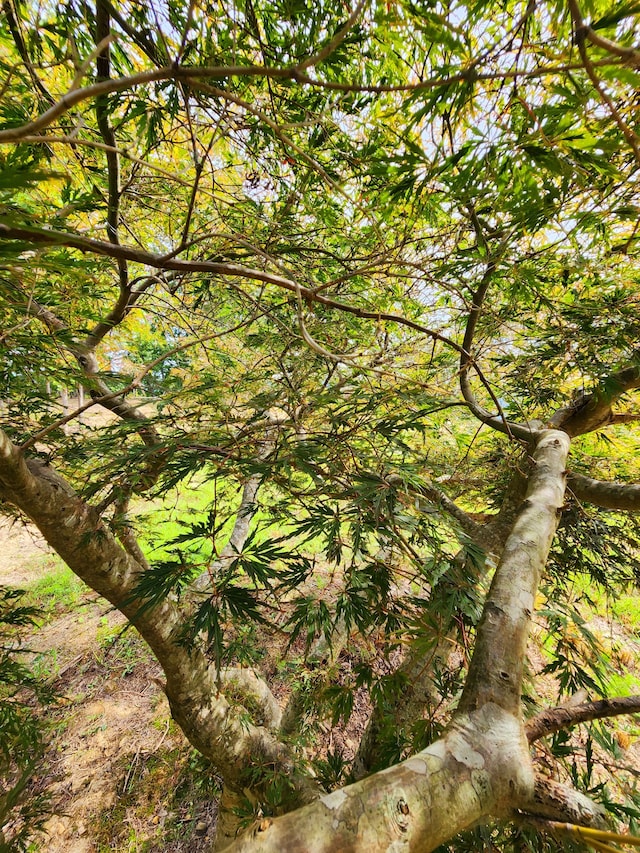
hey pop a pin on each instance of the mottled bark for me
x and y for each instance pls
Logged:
(495, 673)
(248, 503)
(480, 767)
(417, 695)
(419, 692)
(322, 650)
(251, 688)
(77, 533)
(554, 801)
(593, 410)
(230, 804)
(245, 512)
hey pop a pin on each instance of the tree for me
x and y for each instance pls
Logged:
(364, 283)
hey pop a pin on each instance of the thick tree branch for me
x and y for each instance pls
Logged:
(479, 767)
(419, 691)
(120, 84)
(247, 507)
(123, 529)
(132, 386)
(606, 494)
(102, 395)
(567, 716)
(478, 533)
(492, 692)
(245, 512)
(77, 533)
(624, 418)
(591, 411)
(250, 686)
(630, 54)
(76, 141)
(555, 801)
(499, 526)
(496, 669)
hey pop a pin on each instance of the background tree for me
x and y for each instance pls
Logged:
(355, 282)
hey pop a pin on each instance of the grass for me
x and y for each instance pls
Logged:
(626, 609)
(623, 608)
(169, 517)
(165, 799)
(45, 666)
(623, 684)
(120, 649)
(58, 591)
(165, 802)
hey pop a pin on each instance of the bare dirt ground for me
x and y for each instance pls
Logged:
(120, 775)
(20, 549)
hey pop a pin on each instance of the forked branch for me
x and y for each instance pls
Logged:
(100, 247)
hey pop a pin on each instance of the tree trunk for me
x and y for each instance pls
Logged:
(420, 693)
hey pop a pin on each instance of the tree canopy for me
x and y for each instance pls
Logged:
(356, 292)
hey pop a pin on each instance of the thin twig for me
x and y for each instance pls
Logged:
(336, 41)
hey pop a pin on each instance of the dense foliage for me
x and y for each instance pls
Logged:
(22, 737)
(321, 271)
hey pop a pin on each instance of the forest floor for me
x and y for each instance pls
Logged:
(120, 774)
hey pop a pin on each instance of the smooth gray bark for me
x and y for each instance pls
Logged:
(610, 495)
